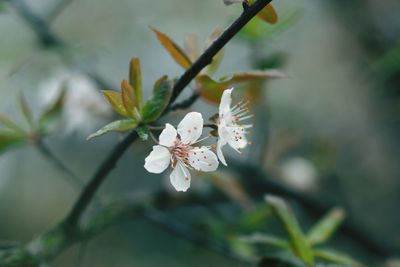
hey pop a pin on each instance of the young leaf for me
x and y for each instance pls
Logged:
(173, 49)
(324, 229)
(258, 238)
(135, 79)
(335, 257)
(143, 132)
(298, 242)
(115, 100)
(26, 111)
(267, 14)
(8, 140)
(10, 124)
(115, 126)
(212, 90)
(51, 115)
(154, 107)
(128, 98)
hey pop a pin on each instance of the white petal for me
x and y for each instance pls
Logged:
(168, 136)
(158, 160)
(225, 104)
(180, 177)
(221, 157)
(203, 159)
(236, 137)
(191, 127)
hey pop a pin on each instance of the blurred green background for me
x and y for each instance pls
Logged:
(329, 129)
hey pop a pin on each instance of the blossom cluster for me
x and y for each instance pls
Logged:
(178, 147)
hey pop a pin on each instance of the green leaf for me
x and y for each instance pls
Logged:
(9, 139)
(336, 257)
(115, 100)
(10, 124)
(115, 126)
(26, 111)
(135, 79)
(143, 132)
(155, 106)
(259, 238)
(286, 217)
(52, 114)
(128, 98)
(173, 49)
(324, 229)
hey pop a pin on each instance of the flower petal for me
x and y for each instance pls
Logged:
(236, 137)
(191, 127)
(225, 104)
(221, 157)
(158, 160)
(203, 159)
(180, 177)
(168, 136)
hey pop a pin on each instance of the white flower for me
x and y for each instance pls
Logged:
(179, 152)
(84, 106)
(230, 129)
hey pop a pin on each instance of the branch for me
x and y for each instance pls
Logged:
(90, 189)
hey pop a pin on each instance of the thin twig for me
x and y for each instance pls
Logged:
(72, 178)
(185, 103)
(60, 7)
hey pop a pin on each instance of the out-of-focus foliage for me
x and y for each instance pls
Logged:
(13, 134)
(301, 249)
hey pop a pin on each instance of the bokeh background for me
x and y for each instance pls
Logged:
(330, 129)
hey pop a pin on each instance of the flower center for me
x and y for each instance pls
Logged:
(180, 151)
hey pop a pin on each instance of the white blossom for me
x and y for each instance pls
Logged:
(299, 173)
(231, 129)
(84, 107)
(180, 153)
